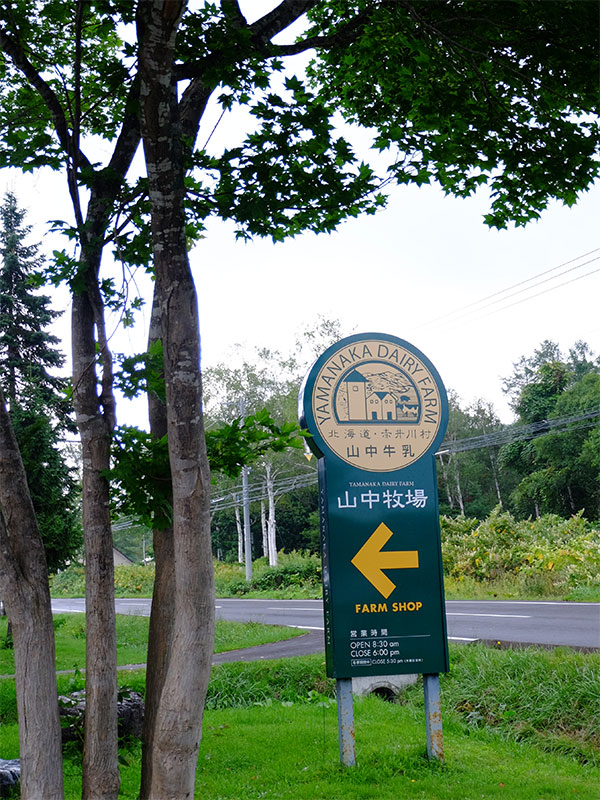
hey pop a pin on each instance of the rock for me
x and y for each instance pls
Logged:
(131, 715)
(130, 710)
(10, 775)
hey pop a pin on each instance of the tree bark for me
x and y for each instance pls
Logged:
(24, 588)
(163, 611)
(571, 500)
(495, 476)
(240, 532)
(446, 482)
(459, 496)
(95, 422)
(263, 528)
(178, 723)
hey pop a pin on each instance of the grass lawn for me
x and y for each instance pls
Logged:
(523, 725)
(132, 639)
(281, 752)
(292, 752)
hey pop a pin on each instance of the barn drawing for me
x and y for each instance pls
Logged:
(377, 392)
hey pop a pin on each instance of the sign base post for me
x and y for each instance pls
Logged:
(345, 707)
(433, 717)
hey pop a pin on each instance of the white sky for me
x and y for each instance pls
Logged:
(400, 272)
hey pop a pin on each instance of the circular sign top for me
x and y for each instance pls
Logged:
(374, 401)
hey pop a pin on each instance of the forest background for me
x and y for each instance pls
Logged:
(545, 462)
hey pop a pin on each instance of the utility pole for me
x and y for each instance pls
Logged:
(247, 536)
(246, 508)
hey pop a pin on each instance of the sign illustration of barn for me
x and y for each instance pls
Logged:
(377, 392)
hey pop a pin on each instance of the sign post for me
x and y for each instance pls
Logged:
(377, 411)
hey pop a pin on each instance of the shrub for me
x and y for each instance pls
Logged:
(129, 580)
(294, 570)
(549, 552)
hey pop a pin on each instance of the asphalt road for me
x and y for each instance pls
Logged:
(544, 623)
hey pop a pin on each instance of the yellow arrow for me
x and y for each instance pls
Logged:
(370, 560)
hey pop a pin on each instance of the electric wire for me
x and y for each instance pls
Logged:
(476, 306)
(496, 438)
(257, 491)
(539, 294)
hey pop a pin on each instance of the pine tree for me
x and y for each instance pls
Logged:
(39, 410)
(27, 350)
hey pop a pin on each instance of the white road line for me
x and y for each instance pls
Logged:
(131, 599)
(260, 600)
(306, 627)
(523, 602)
(473, 614)
(461, 639)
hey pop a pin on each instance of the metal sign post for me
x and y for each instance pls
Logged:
(345, 707)
(377, 411)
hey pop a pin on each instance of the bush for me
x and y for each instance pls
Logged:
(295, 570)
(549, 556)
(129, 580)
(551, 553)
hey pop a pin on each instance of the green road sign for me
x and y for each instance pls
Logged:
(377, 411)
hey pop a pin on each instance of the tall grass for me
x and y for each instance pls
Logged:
(546, 556)
(297, 573)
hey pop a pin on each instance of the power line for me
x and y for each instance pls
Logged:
(476, 306)
(493, 439)
(522, 432)
(539, 294)
(290, 482)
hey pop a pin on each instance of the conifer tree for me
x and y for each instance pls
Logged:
(39, 410)
(27, 350)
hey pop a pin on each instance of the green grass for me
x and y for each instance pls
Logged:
(500, 558)
(132, 638)
(517, 587)
(518, 724)
(258, 683)
(550, 697)
(283, 752)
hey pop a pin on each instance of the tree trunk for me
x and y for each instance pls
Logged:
(178, 723)
(95, 419)
(571, 500)
(163, 612)
(495, 476)
(271, 529)
(446, 481)
(459, 496)
(24, 588)
(95, 413)
(247, 530)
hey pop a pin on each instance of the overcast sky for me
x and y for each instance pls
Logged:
(421, 270)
